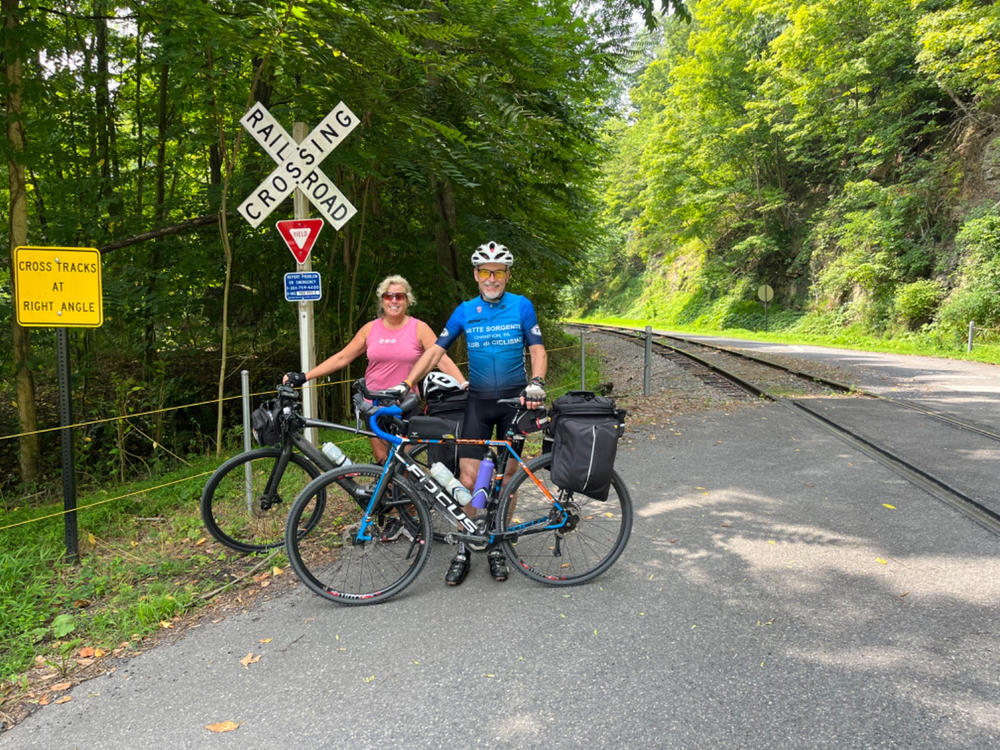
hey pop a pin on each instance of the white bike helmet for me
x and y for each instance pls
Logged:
(437, 384)
(492, 252)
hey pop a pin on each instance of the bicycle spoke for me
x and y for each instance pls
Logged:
(235, 507)
(564, 550)
(332, 560)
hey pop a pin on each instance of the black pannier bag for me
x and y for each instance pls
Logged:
(451, 408)
(264, 423)
(585, 429)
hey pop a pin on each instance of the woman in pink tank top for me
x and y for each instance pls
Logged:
(393, 342)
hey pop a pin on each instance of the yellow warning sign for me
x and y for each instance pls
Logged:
(58, 287)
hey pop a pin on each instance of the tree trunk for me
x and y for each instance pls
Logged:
(444, 230)
(149, 338)
(140, 146)
(18, 235)
(102, 100)
(229, 160)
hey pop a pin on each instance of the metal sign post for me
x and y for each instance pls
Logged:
(765, 293)
(66, 439)
(60, 287)
(647, 360)
(298, 159)
(307, 329)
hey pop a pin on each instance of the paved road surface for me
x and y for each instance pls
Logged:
(769, 597)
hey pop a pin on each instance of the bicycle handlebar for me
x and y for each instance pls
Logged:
(366, 402)
(379, 413)
(287, 392)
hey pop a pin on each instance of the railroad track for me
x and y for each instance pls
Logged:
(881, 427)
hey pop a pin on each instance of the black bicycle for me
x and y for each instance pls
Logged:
(333, 534)
(244, 501)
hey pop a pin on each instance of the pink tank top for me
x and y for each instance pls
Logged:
(391, 353)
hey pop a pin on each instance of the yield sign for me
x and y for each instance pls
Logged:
(300, 235)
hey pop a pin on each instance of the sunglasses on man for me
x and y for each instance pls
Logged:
(500, 275)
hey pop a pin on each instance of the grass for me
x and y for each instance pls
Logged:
(145, 559)
(564, 367)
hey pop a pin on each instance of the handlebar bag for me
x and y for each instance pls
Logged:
(585, 429)
(429, 428)
(451, 408)
(264, 423)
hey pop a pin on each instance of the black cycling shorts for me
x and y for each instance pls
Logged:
(482, 416)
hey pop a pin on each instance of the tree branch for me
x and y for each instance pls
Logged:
(162, 232)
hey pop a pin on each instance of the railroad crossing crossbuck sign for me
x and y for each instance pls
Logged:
(298, 165)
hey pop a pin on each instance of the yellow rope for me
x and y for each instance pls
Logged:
(103, 502)
(162, 486)
(164, 410)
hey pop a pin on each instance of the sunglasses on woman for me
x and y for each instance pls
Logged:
(394, 296)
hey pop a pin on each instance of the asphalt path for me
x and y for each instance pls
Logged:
(779, 590)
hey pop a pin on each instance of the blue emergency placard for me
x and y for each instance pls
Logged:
(303, 286)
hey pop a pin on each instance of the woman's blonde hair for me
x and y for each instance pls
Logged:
(386, 283)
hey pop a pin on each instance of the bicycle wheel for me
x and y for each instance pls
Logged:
(332, 562)
(234, 505)
(593, 537)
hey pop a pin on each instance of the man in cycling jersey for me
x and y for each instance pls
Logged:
(498, 327)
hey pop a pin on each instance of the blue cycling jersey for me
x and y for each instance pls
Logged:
(496, 336)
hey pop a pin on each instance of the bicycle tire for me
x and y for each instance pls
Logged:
(330, 561)
(254, 528)
(597, 534)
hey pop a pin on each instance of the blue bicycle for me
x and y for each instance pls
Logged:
(341, 549)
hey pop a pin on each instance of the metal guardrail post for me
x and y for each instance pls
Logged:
(583, 364)
(245, 386)
(972, 334)
(68, 465)
(647, 360)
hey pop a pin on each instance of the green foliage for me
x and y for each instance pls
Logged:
(479, 121)
(62, 625)
(917, 301)
(960, 47)
(975, 294)
(801, 144)
(144, 560)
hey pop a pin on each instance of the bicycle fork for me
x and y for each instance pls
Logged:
(258, 506)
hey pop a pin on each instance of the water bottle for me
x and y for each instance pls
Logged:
(483, 481)
(336, 456)
(447, 480)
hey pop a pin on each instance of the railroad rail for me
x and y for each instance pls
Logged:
(719, 362)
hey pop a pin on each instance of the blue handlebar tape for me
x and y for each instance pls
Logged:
(385, 411)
